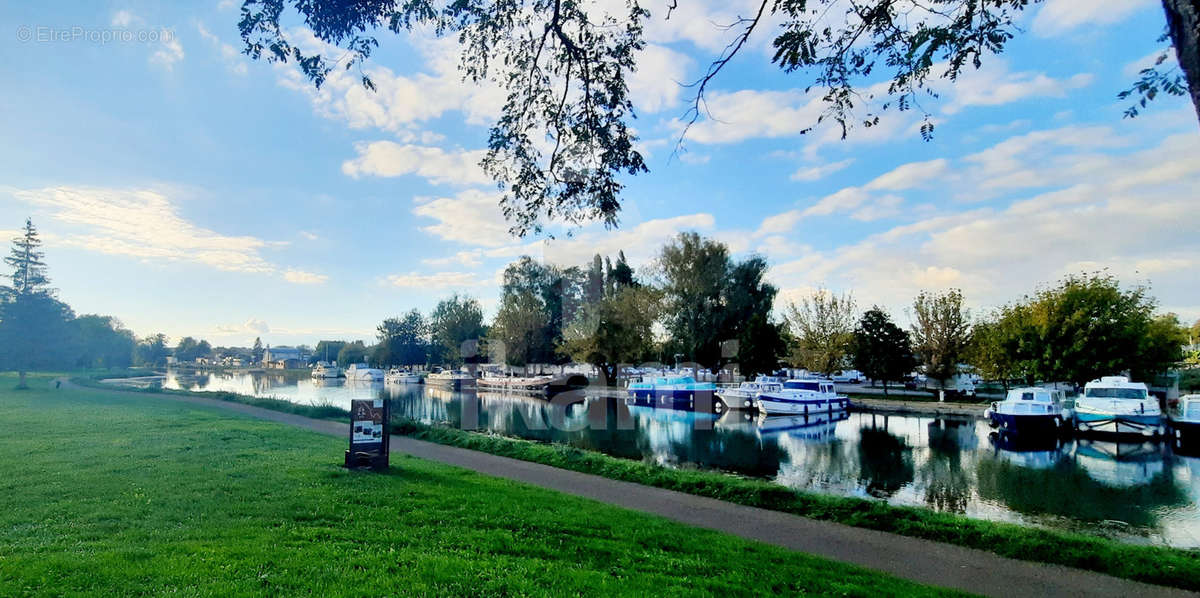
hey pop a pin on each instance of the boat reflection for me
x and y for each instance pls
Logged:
(1120, 464)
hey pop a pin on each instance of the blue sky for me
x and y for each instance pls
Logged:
(186, 189)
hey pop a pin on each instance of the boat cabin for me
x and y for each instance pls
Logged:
(822, 386)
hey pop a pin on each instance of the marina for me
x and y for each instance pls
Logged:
(1133, 488)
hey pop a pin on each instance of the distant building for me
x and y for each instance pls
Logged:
(272, 354)
(286, 364)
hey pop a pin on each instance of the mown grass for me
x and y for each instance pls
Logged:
(1152, 564)
(111, 494)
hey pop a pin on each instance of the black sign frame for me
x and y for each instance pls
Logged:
(370, 436)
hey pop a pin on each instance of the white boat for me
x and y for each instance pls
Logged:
(745, 395)
(802, 397)
(1113, 404)
(451, 379)
(1030, 410)
(1185, 417)
(398, 376)
(362, 371)
(326, 370)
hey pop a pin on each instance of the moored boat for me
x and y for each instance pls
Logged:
(802, 396)
(398, 376)
(325, 370)
(451, 379)
(672, 392)
(1115, 405)
(745, 395)
(1031, 411)
(364, 372)
(542, 384)
(1184, 418)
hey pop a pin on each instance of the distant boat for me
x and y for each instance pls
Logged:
(1185, 418)
(326, 370)
(745, 396)
(451, 379)
(362, 371)
(671, 392)
(543, 384)
(802, 397)
(1113, 404)
(1031, 410)
(397, 376)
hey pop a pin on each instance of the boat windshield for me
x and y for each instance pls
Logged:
(1115, 393)
(802, 385)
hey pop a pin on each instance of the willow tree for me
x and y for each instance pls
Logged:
(564, 140)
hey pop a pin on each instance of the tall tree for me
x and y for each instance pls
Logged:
(882, 350)
(103, 342)
(822, 325)
(519, 328)
(454, 321)
(257, 350)
(404, 340)
(152, 351)
(941, 330)
(34, 325)
(350, 353)
(564, 65)
(615, 330)
(327, 350)
(694, 272)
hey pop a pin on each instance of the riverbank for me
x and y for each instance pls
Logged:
(144, 496)
(1157, 565)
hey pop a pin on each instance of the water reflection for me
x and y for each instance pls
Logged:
(1142, 491)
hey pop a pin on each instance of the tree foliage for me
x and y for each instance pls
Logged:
(564, 141)
(882, 350)
(455, 321)
(615, 326)
(35, 327)
(152, 351)
(190, 349)
(822, 329)
(351, 353)
(403, 340)
(941, 331)
(103, 342)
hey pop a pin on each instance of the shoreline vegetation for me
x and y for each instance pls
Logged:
(1152, 564)
(137, 496)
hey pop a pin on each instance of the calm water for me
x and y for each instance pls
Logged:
(1136, 491)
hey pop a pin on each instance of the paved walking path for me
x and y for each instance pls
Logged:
(923, 561)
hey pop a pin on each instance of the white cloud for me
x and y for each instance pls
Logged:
(124, 18)
(390, 159)
(309, 236)
(472, 217)
(656, 83)
(229, 54)
(816, 173)
(911, 175)
(438, 280)
(303, 277)
(251, 326)
(145, 224)
(169, 52)
(1062, 16)
(994, 85)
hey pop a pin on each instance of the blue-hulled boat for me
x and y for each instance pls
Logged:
(1030, 411)
(672, 392)
(1115, 405)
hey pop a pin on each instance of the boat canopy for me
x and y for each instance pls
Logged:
(1037, 395)
(1115, 387)
(813, 385)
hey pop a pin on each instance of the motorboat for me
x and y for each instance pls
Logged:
(398, 376)
(1116, 405)
(745, 395)
(1030, 410)
(451, 379)
(672, 392)
(364, 372)
(802, 397)
(1184, 417)
(324, 370)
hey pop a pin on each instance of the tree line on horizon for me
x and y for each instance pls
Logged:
(694, 304)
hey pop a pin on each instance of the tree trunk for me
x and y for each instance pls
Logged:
(885, 388)
(1183, 23)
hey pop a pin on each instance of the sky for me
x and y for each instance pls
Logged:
(187, 189)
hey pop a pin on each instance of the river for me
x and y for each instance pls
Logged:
(1144, 492)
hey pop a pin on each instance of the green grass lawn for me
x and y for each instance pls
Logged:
(121, 494)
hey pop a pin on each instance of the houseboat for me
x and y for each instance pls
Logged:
(456, 380)
(364, 372)
(1115, 405)
(398, 376)
(802, 397)
(1184, 417)
(542, 384)
(324, 370)
(672, 392)
(1030, 411)
(745, 396)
